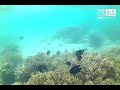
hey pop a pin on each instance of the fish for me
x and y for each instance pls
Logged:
(68, 63)
(79, 53)
(75, 69)
(42, 68)
(66, 50)
(21, 37)
(48, 52)
(58, 53)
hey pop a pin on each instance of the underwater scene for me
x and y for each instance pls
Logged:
(59, 44)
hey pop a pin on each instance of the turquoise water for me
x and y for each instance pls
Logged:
(39, 24)
(59, 45)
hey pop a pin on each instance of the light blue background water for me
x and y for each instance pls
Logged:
(40, 22)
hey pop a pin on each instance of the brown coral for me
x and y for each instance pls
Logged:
(93, 66)
(53, 78)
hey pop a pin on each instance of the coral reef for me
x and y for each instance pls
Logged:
(11, 54)
(53, 78)
(94, 66)
(113, 54)
(101, 68)
(32, 63)
(22, 74)
(7, 73)
(18, 83)
(96, 69)
(10, 58)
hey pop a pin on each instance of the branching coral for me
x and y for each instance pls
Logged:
(23, 73)
(53, 63)
(53, 78)
(113, 54)
(10, 58)
(96, 69)
(100, 81)
(7, 73)
(93, 66)
(18, 83)
(108, 81)
(11, 54)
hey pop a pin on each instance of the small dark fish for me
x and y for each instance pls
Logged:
(48, 52)
(21, 37)
(68, 63)
(42, 68)
(58, 53)
(75, 69)
(66, 50)
(79, 53)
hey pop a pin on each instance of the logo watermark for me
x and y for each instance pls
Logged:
(106, 14)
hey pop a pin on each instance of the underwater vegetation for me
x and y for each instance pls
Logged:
(77, 67)
(41, 62)
(53, 78)
(63, 68)
(94, 68)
